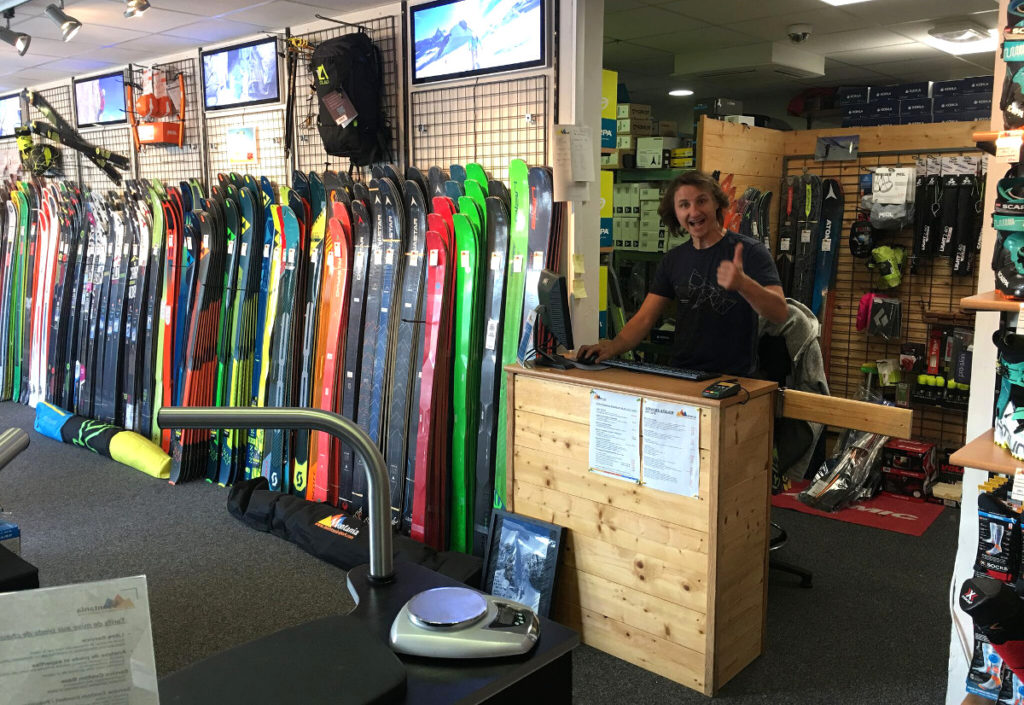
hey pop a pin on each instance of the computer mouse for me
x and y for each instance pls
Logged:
(589, 358)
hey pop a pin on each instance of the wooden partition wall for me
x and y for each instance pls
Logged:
(761, 158)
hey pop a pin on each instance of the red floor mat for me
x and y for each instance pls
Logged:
(903, 516)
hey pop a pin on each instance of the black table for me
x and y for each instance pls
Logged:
(16, 573)
(545, 674)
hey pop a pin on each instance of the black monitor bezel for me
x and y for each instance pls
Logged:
(504, 68)
(544, 297)
(74, 97)
(249, 103)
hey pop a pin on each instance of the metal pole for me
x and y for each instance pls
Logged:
(379, 491)
(12, 442)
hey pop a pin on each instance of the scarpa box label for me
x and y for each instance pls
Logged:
(607, 133)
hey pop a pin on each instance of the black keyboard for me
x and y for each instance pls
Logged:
(680, 372)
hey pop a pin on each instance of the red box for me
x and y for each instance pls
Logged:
(909, 455)
(908, 484)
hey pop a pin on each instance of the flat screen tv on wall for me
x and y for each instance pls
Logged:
(462, 38)
(241, 75)
(100, 100)
(10, 115)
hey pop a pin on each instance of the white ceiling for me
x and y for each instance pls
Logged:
(108, 40)
(868, 43)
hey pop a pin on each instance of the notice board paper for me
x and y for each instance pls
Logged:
(671, 447)
(615, 435)
(87, 643)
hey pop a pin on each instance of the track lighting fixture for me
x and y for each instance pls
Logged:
(135, 8)
(18, 40)
(69, 26)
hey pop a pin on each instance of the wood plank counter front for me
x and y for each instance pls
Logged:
(676, 585)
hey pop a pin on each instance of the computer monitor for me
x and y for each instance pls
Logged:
(553, 297)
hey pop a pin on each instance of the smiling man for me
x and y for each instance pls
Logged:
(720, 281)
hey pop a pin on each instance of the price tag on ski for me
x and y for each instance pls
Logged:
(826, 245)
(492, 334)
(517, 264)
(805, 236)
(1008, 143)
(433, 258)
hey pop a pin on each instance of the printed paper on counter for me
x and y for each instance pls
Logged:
(615, 435)
(671, 447)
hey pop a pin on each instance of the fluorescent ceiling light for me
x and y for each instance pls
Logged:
(959, 38)
(135, 8)
(837, 3)
(69, 26)
(680, 92)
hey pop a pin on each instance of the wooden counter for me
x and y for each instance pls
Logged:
(676, 585)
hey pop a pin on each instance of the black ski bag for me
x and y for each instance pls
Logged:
(349, 67)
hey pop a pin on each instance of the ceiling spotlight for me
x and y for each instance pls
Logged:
(18, 40)
(69, 26)
(135, 8)
(680, 92)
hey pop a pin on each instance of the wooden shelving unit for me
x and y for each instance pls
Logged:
(990, 301)
(982, 453)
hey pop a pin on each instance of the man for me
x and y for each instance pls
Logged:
(720, 280)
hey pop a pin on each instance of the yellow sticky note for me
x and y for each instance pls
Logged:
(579, 290)
(602, 291)
(577, 264)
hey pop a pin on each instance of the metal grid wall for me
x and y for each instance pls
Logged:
(309, 151)
(269, 126)
(170, 162)
(486, 123)
(10, 160)
(60, 98)
(932, 289)
(116, 139)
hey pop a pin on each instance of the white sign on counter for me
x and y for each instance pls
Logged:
(88, 644)
(615, 435)
(671, 450)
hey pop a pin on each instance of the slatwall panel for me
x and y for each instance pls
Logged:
(59, 97)
(931, 289)
(171, 163)
(309, 151)
(487, 123)
(116, 139)
(269, 133)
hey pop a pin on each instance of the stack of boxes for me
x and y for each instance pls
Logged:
(636, 223)
(959, 100)
(908, 468)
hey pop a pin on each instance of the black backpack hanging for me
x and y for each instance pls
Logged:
(350, 65)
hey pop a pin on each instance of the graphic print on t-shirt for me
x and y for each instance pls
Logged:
(703, 291)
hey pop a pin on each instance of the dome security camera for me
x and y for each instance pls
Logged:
(799, 32)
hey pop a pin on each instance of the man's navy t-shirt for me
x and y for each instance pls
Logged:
(716, 330)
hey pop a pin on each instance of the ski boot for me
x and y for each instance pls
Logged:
(1009, 426)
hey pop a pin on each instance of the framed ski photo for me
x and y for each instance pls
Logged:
(462, 38)
(521, 559)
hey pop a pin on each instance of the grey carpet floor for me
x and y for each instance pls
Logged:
(874, 628)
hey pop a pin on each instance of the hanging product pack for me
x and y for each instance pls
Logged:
(347, 76)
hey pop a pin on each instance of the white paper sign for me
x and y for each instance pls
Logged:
(671, 447)
(615, 435)
(85, 643)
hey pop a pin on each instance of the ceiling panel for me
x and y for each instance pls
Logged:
(883, 55)
(210, 31)
(726, 12)
(838, 74)
(694, 39)
(646, 21)
(156, 45)
(111, 14)
(279, 14)
(928, 69)
(893, 11)
(90, 35)
(16, 64)
(826, 44)
(71, 67)
(825, 20)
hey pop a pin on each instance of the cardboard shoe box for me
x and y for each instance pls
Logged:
(633, 111)
(909, 455)
(633, 126)
(910, 484)
(10, 537)
(653, 152)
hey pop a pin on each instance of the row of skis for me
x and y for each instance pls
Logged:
(395, 303)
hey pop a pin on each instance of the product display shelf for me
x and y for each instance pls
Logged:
(982, 453)
(649, 174)
(990, 301)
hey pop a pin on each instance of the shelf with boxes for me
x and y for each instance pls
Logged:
(957, 100)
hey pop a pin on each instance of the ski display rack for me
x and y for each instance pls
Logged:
(328, 293)
(931, 293)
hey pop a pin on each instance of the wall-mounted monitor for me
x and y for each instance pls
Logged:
(100, 100)
(461, 38)
(241, 75)
(10, 115)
